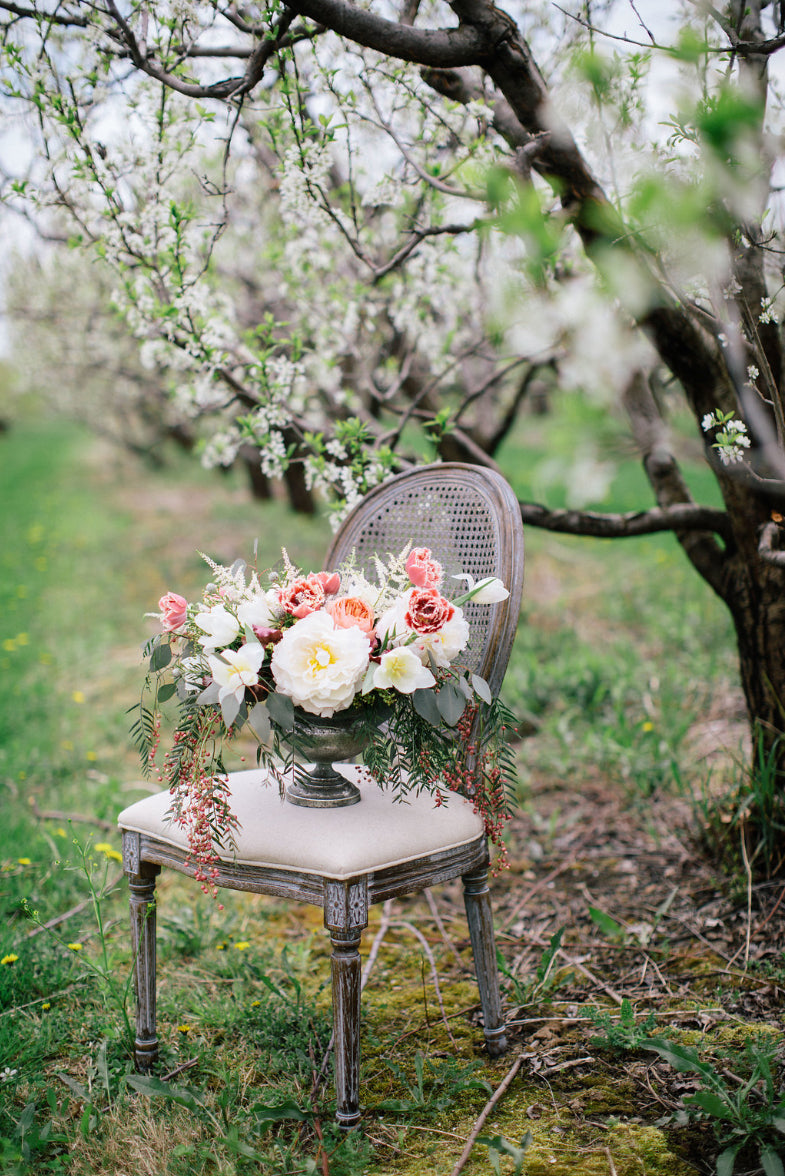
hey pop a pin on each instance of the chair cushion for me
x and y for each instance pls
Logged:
(332, 843)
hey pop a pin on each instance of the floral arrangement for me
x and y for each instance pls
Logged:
(251, 653)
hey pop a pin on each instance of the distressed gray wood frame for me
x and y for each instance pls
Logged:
(470, 518)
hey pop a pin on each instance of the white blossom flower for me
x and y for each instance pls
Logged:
(320, 667)
(219, 625)
(487, 591)
(236, 669)
(402, 670)
(445, 645)
(258, 611)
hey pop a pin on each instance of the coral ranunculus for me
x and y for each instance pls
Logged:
(422, 569)
(173, 611)
(302, 597)
(350, 610)
(319, 666)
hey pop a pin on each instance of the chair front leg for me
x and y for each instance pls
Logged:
(142, 900)
(345, 916)
(477, 899)
(346, 979)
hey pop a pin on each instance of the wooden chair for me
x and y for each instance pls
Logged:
(344, 859)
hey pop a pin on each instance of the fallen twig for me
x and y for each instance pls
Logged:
(75, 910)
(434, 973)
(54, 815)
(179, 1069)
(485, 1112)
(448, 943)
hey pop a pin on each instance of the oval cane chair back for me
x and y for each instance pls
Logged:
(471, 520)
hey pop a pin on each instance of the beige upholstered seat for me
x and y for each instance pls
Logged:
(338, 843)
(345, 859)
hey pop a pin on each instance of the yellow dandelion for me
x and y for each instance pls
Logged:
(78, 696)
(60, 832)
(255, 1004)
(108, 851)
(242, 945)
(46, 1005)
(91, 756)
(9, 645)
(184, 1028)
(9, 959)
(647, 726)
(74, 946)
(221, 946)
(45, 659)
(23, 639)
(24, 861)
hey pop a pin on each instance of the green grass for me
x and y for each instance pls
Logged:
(616, 675)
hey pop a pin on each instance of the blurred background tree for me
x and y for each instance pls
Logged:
(345, 239)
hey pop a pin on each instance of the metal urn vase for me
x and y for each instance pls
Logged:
(324, 742)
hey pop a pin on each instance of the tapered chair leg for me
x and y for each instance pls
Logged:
(479, 913)
(142, 899)
(346, 979)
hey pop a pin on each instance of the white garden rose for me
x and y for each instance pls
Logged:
(320, 667)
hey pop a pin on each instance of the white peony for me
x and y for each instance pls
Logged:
(320, 667)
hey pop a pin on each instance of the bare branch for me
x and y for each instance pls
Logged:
(439, 47)
(47, 18)
(685, 517)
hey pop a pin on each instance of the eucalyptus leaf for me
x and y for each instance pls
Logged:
(230, 708)
(209, 695)
(451, 703)
(259, 722)
(281, 710)
(166, 691)
(482, 689)
(161, 656)
(424, 702)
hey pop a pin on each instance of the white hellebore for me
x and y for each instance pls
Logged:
(445, 645)
(319, 666)
(402, 669)
(219, 625)
(236, 669)
(257, 611)
(487, 591)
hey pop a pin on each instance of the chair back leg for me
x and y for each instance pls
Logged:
(477, 899)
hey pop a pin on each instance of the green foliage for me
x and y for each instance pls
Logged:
(741, 1096)
(434, 1086)
(622, 1034)
(547, 979)
(498, 1146)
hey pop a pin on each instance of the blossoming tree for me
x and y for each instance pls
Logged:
(441, 219)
